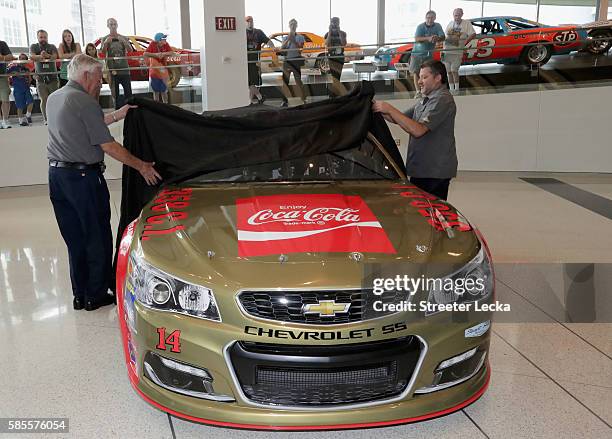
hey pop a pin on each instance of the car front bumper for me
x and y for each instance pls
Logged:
(211, 346)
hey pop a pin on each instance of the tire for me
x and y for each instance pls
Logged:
(322, 63)
(405, 58)
(600, 47)
(174, 74)
(537, 54)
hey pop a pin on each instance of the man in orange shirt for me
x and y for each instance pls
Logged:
(157, 52)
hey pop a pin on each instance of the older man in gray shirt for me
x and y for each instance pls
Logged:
(432, 156)
(78, 139)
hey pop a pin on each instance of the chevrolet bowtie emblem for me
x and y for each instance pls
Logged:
(326, 308)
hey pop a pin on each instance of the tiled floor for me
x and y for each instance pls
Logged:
(550, 378)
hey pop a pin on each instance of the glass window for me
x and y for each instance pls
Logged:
(12, 25)
(572, 11)
(54, 17)
(153, 16)
(95, 14)
(518, 8)
(311, 17)
(402, 18)
(266, 15)
(360, 23)
(444, 9)
(196, 22)
(34, 7)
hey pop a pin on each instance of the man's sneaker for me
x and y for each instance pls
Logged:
(29, 118)
(24, 123)
(5, 125)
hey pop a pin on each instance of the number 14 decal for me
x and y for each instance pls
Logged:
(173, 340)
(480, 47)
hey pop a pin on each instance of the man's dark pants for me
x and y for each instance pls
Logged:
(126, 82)
(435, 186)
(289, 67)
(81, 202)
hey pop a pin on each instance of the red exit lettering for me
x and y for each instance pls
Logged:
(225, 23)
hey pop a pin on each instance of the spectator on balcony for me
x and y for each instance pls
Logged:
(44, 54)
(157, 53)
(5, 90)
(335, 41)
(292, 49)
(22, 78)
(458, 32)
(67, 49)
(426, 36)
(90, 50)
(115, 48)
(255, 39)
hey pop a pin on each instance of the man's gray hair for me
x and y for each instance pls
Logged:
(80, 64)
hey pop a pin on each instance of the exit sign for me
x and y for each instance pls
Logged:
(225, 23)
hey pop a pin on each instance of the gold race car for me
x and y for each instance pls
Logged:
(303, 292)
(314, 53)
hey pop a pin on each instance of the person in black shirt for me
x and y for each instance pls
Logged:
(335, 41)
(255, 38)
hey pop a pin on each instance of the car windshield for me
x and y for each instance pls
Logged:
(364, 163)
(518, 24)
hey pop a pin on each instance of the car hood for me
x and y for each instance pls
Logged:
(286, 223)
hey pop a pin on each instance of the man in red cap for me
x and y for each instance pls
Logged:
(156, 53)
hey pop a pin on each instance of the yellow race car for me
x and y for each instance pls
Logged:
(314, 53)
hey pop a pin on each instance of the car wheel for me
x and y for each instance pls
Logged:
(322, 64)
(536, 55)
(601, 46)
(174, 74)
(405, 58)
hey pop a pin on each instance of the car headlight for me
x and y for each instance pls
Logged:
(471, 283)
(158, 290)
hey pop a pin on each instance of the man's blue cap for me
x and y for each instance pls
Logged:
(160, 36)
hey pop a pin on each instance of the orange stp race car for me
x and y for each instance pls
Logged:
(508, 40)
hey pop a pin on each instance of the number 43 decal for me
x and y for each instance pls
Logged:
(173, 340)
(480, 47)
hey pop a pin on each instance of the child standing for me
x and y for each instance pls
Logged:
(22, 78)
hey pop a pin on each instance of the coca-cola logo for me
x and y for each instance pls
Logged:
(316, 215)
(275, 224)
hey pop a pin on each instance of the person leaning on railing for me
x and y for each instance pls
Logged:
(21, 77)
(67, 49)
(426, 36)
(5, 90)
(44, 54)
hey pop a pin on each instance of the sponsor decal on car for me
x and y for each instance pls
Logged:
(168, 209)
(281, 224)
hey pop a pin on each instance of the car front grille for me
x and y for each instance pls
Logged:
(306, 376)
(288, 306)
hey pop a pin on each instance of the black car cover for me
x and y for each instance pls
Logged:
(184, 144)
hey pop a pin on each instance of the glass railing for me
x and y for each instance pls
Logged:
(488, 65)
